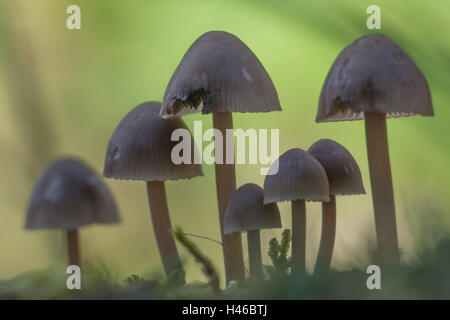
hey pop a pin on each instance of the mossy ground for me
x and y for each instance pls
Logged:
(427, 279)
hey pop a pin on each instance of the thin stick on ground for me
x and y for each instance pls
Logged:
(208, 267)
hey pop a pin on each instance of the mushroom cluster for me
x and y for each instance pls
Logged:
(372, 79)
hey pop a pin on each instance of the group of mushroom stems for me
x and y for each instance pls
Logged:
(327, 169)
(219, 74)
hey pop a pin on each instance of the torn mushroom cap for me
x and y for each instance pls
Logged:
(344, 176)
(299, 177)
(69, 195)
(219, 73)
(373, 74)
(246, 211)
(141, 146)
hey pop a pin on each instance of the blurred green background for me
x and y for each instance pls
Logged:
(62, 92)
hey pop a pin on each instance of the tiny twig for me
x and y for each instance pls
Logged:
(215, 241)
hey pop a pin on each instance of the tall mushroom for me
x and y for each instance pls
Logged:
(68, 196)
(344, 178)
(246, 211)
(300, 177)
(374, 79)
(219, 74)
(140, 149)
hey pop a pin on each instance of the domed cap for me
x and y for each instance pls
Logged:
(140, 148)
(299, 177)
(219, 73)
(246, 211)
(69, 195)
(373, 74)
(344, 176)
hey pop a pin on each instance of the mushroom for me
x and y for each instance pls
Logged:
(140, 149)
(246, 211)
(219, 74)
(300, 177)
(374, 79)
(67, 196)
(344, 178)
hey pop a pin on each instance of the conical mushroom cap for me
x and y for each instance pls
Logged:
(246, 211)
(299, 177)
(344, 176)
(373, 74)
(140, 148)
(69, 195)
(219, 73)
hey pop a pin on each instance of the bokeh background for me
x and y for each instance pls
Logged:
(62, 92)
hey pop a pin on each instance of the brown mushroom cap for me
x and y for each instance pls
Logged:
(373, 74)
(299, 177)
(219, 73)
(344, 176)
(69, 195)
(140, 148)
(246, 211)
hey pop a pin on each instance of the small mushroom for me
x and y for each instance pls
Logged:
(374, 79)
(344, 178)
(68, 196)
(219, 74)
(300, 178)
(246, 211)
(140, 149)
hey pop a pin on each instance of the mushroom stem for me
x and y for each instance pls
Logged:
(254, 254)
(327, 237)
(226, 185)
(382, 190)
(162, 227)
(298, 237)
(73, 247)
